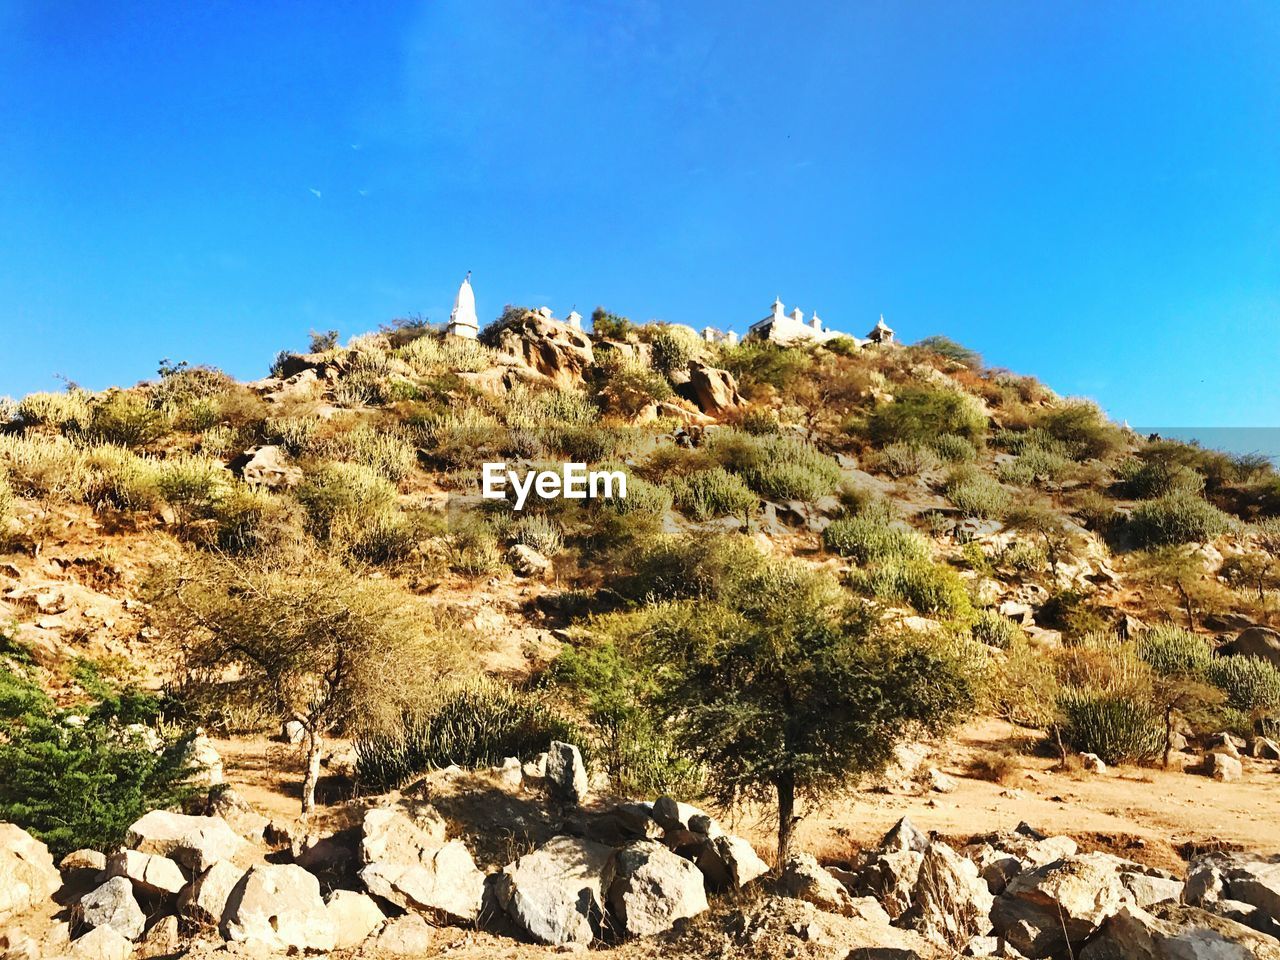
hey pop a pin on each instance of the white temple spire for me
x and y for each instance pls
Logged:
(462, 321)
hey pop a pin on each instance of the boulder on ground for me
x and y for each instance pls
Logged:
(148, 872)
(950, 904)
(1054, 908)
(239, 814)
(27, 873)
(1092, 763)
(278, 907)
(1222, 767)
(730, 862)
(1174, 931)
(805, 879)
(903, 835)
(406, 936)
(111, 905)
(1264, 748)
(527, 562)
(204, 899)
(445, 883)
(890, 878)
(1258, 642)
(102, 943)
(355, 916)
(1256, 883)
(653, 888)
(566, 773)
(712, 389)
(557, 893)
(83, 861)
(391, 835)
(267, 466)
(1148, 890)
(195, 842)
(162, 940)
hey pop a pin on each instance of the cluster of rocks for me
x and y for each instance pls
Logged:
(394, 875)
(1023, 894)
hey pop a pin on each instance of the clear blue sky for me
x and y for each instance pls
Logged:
(1088, 192)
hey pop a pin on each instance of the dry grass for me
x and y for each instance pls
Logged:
(995, 766)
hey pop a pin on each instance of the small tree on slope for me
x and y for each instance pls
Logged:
(785, 691)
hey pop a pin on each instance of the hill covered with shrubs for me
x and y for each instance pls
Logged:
(825, 551)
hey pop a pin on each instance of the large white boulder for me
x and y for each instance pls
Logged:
(102, 943)
(445, 883)
(390, 835)
(566, 773)
(195, 842)
(1174, 931)
(278, 907)
(27, 873)
(653, 888)
(148, 872)
(355, 916)
(730, 862)
(805, 879)
(1055, 908)
(204, 899)
(557, 893)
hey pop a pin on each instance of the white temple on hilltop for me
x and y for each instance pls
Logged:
(881, 333)
(462, 321)
(781, 327)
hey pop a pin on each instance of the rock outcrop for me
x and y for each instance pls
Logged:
(27, 873)
(653, 888)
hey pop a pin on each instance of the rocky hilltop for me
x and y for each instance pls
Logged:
(275, 676)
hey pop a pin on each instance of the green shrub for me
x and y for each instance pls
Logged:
(42, 466)
(295, 434)
(975, 494)
(191, 484)
(589, 444)
(185, 391)
(1250, 683)
(1119, 726)
(386, 451)
(1172, 651)
(906, 459)
(118, 478)
(952, 448)
(691, 567)
(946, 347)
(642, 497)
(922, 414)
(539, 532)
(1036, 465)
(126, 420)
(1175, 519)
(61, 411)
(712, 493)
(626, 384)
(1083, 428)
(611, 326)
(342, 496)
(473, 547)
(463, 437)
(930, 588)
(756, 363)
(77, 785)
(631, 744)
(1158, 478)
(529, 409)
(869, 540)
(433, 354)
(995, 630)
(1023, 558)
(776, 466)
(673, 348)
(474, 723)
(759, 421)
(249, 520)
